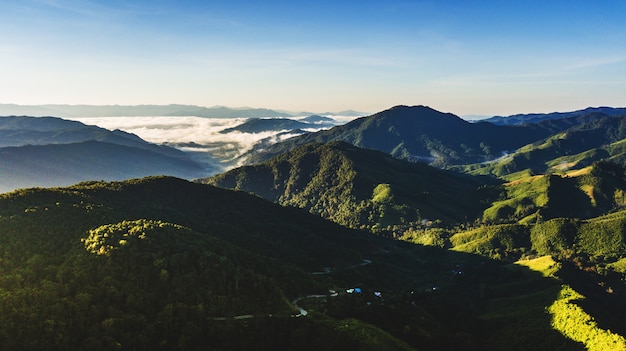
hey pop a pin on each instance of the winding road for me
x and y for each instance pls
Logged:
(302, 311)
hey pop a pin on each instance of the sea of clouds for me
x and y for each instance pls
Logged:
(198, 136)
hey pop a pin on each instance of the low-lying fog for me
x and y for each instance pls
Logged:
(199, 136)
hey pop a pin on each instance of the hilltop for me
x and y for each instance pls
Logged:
(361, 188)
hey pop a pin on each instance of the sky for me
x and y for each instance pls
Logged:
(465, 57)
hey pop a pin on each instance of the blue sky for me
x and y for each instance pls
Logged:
(465, 57)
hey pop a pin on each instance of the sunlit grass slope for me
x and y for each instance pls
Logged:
(569, 318)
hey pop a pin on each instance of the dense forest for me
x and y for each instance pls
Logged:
(161, 263)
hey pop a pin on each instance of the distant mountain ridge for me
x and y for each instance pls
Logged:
(50, 151)
(539, 117)
(66, 111)
(66, 164)
(23, 130)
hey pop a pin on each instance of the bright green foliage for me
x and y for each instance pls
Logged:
(105, 239)
(382, 194)
(603, 237)
(544, 264)
(571, 320)
(438, 237)
(550, 295)
(577, 195)
(524, 197)
(553, 236)
(497, 241)
(515, 310)
(618, 266)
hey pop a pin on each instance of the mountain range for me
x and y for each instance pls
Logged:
(67, 111)
(410, 229)
(540, 117)
(419, 133)
(49, 151)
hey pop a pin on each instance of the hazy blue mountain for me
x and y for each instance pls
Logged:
(66, 164)
(351, 113)
(152, 110)
(347, 113)
(226, 112)
(539, 117)
(23, 130)
(137, 110)
(50, 151)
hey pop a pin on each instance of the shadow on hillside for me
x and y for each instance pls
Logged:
(603, 295)
(475, 303)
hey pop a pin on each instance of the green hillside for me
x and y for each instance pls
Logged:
(595, 137)
(587, 193)
(163, 264)
(361, 188)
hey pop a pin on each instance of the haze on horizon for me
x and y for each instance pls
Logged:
(480, 58)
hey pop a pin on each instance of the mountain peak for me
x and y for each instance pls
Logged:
(421, 114)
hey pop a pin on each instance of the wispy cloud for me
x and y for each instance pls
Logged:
(265, 57)
(592, 62)
(80, 7)
(552, 70)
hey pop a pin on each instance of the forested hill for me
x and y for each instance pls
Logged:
(419, 133)
(361, 188)
(164, 264)
(157, 263)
